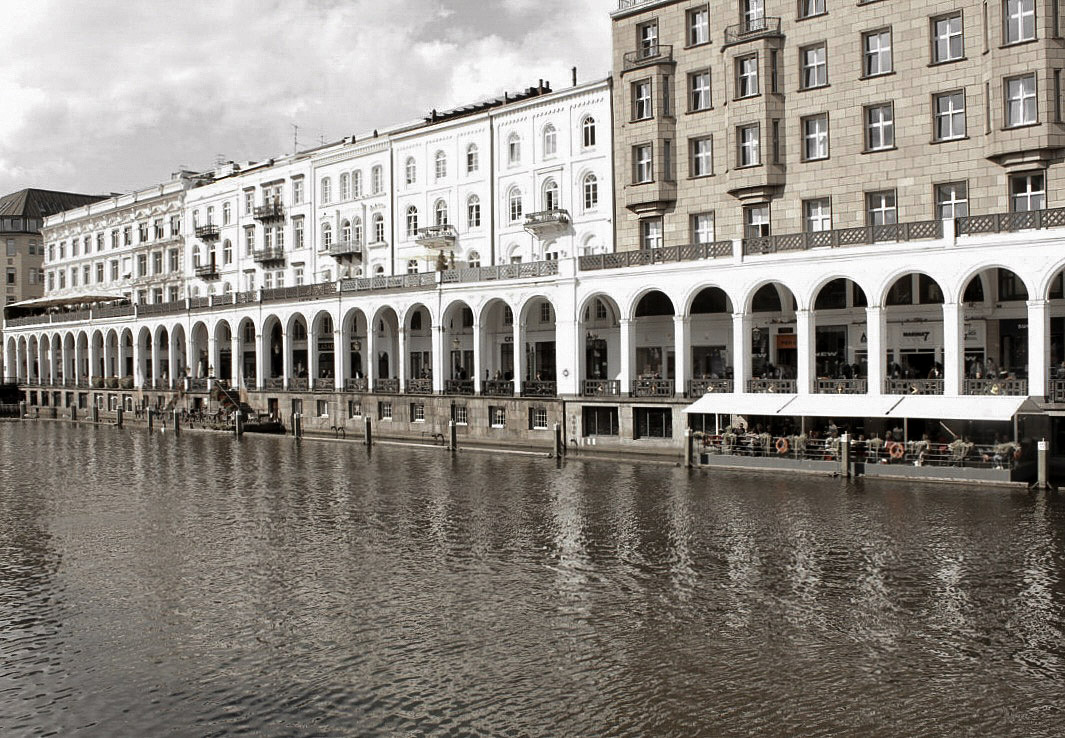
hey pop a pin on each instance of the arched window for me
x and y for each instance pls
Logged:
(440, 210)
(377, 180)
(588, 132)
(514, 204)
(195, 256)
(514, 149)
(514, 254)
(378, 228)
(226, 288)
(412, 222)
(551, 198)
(345, 231)
(327, 235)
(412, 266)
(416, 320)
(412, 171)
(441, 165)
(356, 183)
(345, 187)
(550, 140)
(473, 259)
(473, 212)
(379, 270)
(327, 190)
(356, 231)
(591, 192)
(473, 162)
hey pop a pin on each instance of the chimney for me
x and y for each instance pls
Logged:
(575, 76)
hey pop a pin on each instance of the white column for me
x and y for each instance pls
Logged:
(236, 362)
(78, 359)
(478, 371)
(120, 365)
(312, 356)
(875, 330)
(339, 350)
(741, 351)
(439, 361)
(628, 354)
(212, 360)
(1038, 348)
(953, 332)
(68, 375)
(138, 363)
(192, 360)
(806, 373)
(94, 359)
(370, 357)
(286, 359)
(261, 352)
(157, 360)
(519, 355)
(401, 343)
(682, 326)
(171, 360)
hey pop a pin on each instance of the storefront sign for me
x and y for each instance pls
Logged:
(786, 341)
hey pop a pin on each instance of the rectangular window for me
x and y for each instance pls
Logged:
(815, 137)
(157, 262)
(114, 269)
(647, 39)
(1019, 20)
(12, 275)
(698, 26)
(641, 100)
(753, 15)
(297, 275)
(749, 152)
(817, 214)
(702, 157)
(354, 409)
(460, 414)
(642, 170)
(651, 233)
(10, 247)
(814, 63)
(810, 8)
(699, 91)
(950, 115)
(538, 418)
(702, 228)
(880, 208)
(384, 411)
(947, 40)
(746, 76)
(756, 221)
(249, 241)
(1027, 192)
(173, 255)
(667, 160)
(952, 200)
(497, 416)
(876, 52)
(1020, 100)
(297, 233)
(417, 412)
(879, 127)
(100, 273)
(652, 422)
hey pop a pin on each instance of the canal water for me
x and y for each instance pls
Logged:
(203, 586)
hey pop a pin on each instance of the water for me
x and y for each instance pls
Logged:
(153, 585)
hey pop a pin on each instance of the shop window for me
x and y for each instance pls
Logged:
(600, 421)
(652, 422)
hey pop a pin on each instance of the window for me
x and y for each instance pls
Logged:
(356, 231)
(327, 190)
(127, 235)
(1020, 20)
(748, 139)
(356, 183)
(345, 186)
(698, 26)
(810, 8)
(100, 272)
(814, 62)
(551, 197)
(417, 412)
(11, 247)
(591, 192)
(322, 408)
(114, 269)
(702, 228)
(815, 137)
(947, 41)
(876, 49)
(1020, 100)
(546, 316)
(345, 231)
(460, 414)
(412, 266)
(651, 233)
(950, 115)
(746, 76)
(754, 15)
(756, 221)
(412, 221)
(378, 228)
(377, 177)
(227, 213)
(473, 259)
(327, 236)
(538, 418)
(440, 213)
(297, 191)
(879, 127)
(647, 39)
(880, 208)
(514, 149)
(497, 416)
(441, 165)
(641, 100)
(642, 170)
(472, 159)
(699, 91)
(411, 171)
(702, 157)
(384, 411)
(550, 140)
(817, 214)
(1027, 192)
(227, 252)
(297, 233)
(652, 422)
(588, 131)
(297, 275)
(514, 204)
(473, 212)
(157, 264)
(952, 200)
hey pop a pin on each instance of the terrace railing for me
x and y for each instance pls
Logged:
(1010, 222)
(785, 386)
(386, 386)
(652, 388)
(458, 386)
(539, 388)
(838, 237)
(419, 386)
(1015, 387)
(601, 388)
(913, 386)
(700, 387)
(498, 388)
(841, 386)
(664, 255)
(359, 384)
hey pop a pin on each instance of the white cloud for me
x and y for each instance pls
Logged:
(112, 95)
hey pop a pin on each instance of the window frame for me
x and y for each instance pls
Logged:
(938, 202)
(1007, 100)
(640, 100)
(753, 147)
(883, 209)
(880, 53)
(695, 94)
(695, 156)
(804, 66)
(690, 26)
(1006, 40)
(869, 126)
(747, 78)
(934, 37)
(817, 137)
(938, 115)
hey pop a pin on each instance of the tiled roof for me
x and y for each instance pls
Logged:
(34, 203)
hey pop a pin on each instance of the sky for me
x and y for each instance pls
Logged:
(108, 96)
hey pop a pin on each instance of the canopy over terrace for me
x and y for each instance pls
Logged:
(42, 304)
(860, 406)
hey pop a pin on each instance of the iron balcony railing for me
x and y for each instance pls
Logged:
(359, 384)
(298, 384)
(700, 387)
(270, 211)
(207, 232)
(1010, 222)
(72, 315)
(497, 388)
(160, 308)
(207, 271)
(196, 303)
(779, 386)
(841, 386)
(539, 388)
(664, 255)
(652, 388)
(458, 386)
(112, 311)
(752, 28)
(197, 384)
(274, 383)
(323, 384)
(1015, 387)
(1056, 390)
(267, 255)
(835, 238)
(913, 387)
(546, 221)
(653, 54)
(345, 248)
(398, 282)
(601, 388)
(386, 386)
(300, 292)
(437, 236)
(626, 4)
(547, 268)
(419, 386)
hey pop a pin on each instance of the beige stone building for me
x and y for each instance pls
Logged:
(769, 117)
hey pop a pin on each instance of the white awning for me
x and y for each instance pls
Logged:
(842, 406)
(942, 407)
(742, 403)
(68, 299)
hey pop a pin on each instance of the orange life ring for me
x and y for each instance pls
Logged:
(1017, 455)
(782, 445)
(896, 450)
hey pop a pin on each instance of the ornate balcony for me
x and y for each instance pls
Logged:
(841, 386)
(538, 388)
(778, 386)
(751, 28)
(700, 387)
(270, 255)
(498, 388)
(652, 388)
(1056, 390)
(207, 232)
(356, 385)
(913, 387)
(653, 54)
(207, 271)
(458, 386)
(437, 236)
(270, 211)
(323, 384)
(991, 386)
(547, 222)
(601, 388)
(419, 386)
(274, 383)
(386, 386)
(345, 248)
(298, 384)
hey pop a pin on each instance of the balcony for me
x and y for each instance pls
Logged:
(841, 386)
(652, 388)
(359, 384)
(601, 388)
(270, 211)
(861, 236)
(458, 386)
(437, 236)
(299, 384)
(1010, 222)
(700, 387)
(653, 54)
(750, 29)
(538, 388)
(497, 388)
(992, 386)
(207, 232)
(420, 386)
(653, 197)
(323, 384)
(771, 386)
(663, 255)
(913, 387)
(547, 222)
(345, 248)
(207, 271)
(270, 255)
(386, 386)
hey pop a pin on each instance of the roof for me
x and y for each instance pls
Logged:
(35, 203)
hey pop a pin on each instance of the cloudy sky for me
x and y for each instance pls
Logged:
(110, 95)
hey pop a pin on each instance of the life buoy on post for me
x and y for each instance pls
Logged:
(996, 388)
(896, 450)
(782, 445)
(1017, 455)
